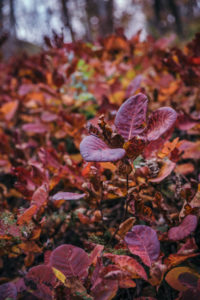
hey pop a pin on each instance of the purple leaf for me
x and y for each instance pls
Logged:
(94, 149)
(48, 116)
(189, 280)
(159, 122)
(67, 196)
(42, 274)
(35, 128)
(134, 85)
(142, 240)
(104, 289)
(186, 121)
(20, 285)
(131, 116)
(41, 280)
(187, 226)
(191, 294)
(71, 261)
(8, 290)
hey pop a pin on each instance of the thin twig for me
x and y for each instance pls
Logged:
(99, 206)
(126, 200)
(125, 211)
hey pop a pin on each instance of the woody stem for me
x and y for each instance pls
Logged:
(126, 199)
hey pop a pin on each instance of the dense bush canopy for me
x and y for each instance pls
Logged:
(121, 220)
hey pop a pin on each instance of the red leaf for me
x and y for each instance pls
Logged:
(47, 255)
(128, 264)
(8, 290)
(96, 253)
(113, 272)
(67, 196)
(70, 260)
(40, 196)
(131, 116)
(127, 283)
(94, 149)
(104, 289)
(159, 122)
(142, 240)
(187, 226)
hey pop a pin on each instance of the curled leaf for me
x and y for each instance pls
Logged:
(185, 121)
(67, 196)
(142, 240)
(96, 253)
(126, 226)
(129, 264)
(94, 149)
(134, 85)
(131, 116)
(187, 226)
(165, 171)
(159, 122)
(40, 196)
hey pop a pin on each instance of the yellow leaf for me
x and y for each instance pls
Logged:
(130, 74)
(59, 275)
(117, 97)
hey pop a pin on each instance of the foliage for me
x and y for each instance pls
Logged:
(124, 224)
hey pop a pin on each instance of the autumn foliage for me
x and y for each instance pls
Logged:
(99, 169)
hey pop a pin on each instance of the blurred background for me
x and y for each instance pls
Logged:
(24, 23)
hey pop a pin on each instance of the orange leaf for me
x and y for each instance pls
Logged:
(30, 246)
(126, 226)
(27, 215)
(175, 259)
(173, 275)
(9, 109)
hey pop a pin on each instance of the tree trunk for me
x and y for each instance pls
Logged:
(12, 18)
(174, 9)
(67, 20)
